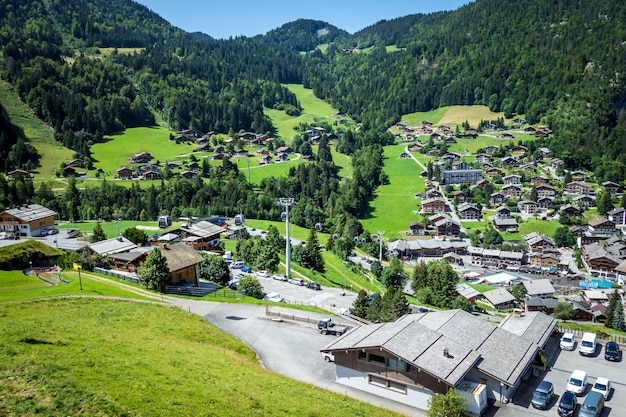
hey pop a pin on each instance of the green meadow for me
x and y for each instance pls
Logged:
(393, 208)
(101, 357)
(36, 131)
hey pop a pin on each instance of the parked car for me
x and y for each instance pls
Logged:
(577, 382)
(542, 397)
(246, 269)
(53, 231)
(588, 344)
(567, 341)
(612, 352)
(296, 281)
(603, 386)
(72, 233)
(592, 406)
(568, 404)
(279, 277)
(263, 274)
(328, 357)
(314, 286)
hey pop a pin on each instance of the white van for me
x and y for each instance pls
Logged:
(588, 343)
(237, 265)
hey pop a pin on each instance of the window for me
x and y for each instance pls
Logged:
(396, 363)
(362, 355)
(385, 383)
(377, 358)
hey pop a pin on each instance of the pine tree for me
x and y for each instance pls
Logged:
(313, 252)
(361, 304)
(98, 234)
(614, 301)
(617, 321)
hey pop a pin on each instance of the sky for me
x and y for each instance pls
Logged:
(222, 19)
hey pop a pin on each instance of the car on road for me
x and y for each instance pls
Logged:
(592, 406)
(296, 281)
(542, 397)
(246, 269)
(274, 296)
(567, 404)
(588, 344)
(567, 341)
(53, 231)
(279, 277)
(72, 233)
(577, 382)
(314, 286)
(612, 352)
(603, 386)
(263, 274)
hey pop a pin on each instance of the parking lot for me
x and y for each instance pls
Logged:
(561, 365)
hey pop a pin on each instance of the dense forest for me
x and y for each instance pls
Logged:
(554, 62)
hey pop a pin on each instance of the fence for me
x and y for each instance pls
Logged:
(116, 274)
(606, 337)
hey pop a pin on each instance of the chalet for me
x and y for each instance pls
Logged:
(69, 171)
(578, 175)
(28, 220)
(241, 153)
(497, 198)
(416, 229)
(483, 158)
(507, 135)
(492, 172)
(183, 262)
(451, 157)
(544, 202)
(469, 211)
(527, 206)
(571, 210)
(151, 175)
(124, 173)
(584, 201)
(111, 246)
(500, 299)
(205, 147)
(556, 163)
(193, 166)
(542, 133)
(530, 166)
(188, 174)
(513, 179)
(460, 165)
(447, 227)
(461, 176)
(405, 155)
(539, 243)
(308, 158)
(416, 147)
(519, 121)
(480, 184)
(496, 258)
(246, 136)
(332, 136)
(505, 224)
(173, 165)
(617, 216)
(265, 160)
(597, 258)
(433, 152)
(489, 126)
(377, 359)
(467, 292)
(425, 248)
(576, 187)
(541, 288)
(509, 160)
(74, 163)
(530, 129)
(284, 149)
(131, 260)
(539, 180)
(217, 156)
(612, 187)
(545, 190)
(18, 174)
(202, 235)
(544, 261)
(603, 227)
(433, 205)
(518, 150)
(503, 212)
(450, 139)
(282, 157)
(491, 149)
(459, 196)
(141, 158)
(545, 152)
(512, 191)
(433, 193)
(544, 305)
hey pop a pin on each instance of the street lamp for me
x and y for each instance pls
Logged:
(380, 240)
(286, 203)
(248, 162)
(208, 203)
(344, 278)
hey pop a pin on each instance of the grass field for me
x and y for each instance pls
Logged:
(313, 110)
(96, 357)
(111, 228)
(453, 115)
(37, 132)
(392, 208)
(115, 152)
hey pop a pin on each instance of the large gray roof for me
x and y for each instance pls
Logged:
(420, 339)
(113, 245)
(30, 212)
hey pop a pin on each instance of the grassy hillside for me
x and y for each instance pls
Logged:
(95, 357)
(37, 132)
(313, 109)
(453, 115)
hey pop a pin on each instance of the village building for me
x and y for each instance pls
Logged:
(425, 248)
(29, 220)
(111, 246)
(461, 176)
(505, 224)
(527, 207)
(541, 288)
(576, 187)
(469, 211)
(512, 179)
(617, 216)
(499, 298)
(584, 201)
(512, 191)
(612, 187)
(603, 227)
(495, 257)
(433, 205)
(503, 212)
(421, 355)
(202, 235)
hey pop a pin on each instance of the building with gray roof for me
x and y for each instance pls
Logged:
(421, 355)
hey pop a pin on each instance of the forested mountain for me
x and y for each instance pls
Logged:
(557, 62)
(15, 153)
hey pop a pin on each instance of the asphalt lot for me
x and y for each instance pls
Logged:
(562, 364)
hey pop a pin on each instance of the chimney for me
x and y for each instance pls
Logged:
(446, 352)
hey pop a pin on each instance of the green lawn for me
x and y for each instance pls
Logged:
(313, 110)
(116, 150)
(393, 207)
(547, 227)
(97, 357)
(111, 229)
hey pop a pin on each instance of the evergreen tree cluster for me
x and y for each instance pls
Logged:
(386, 308)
